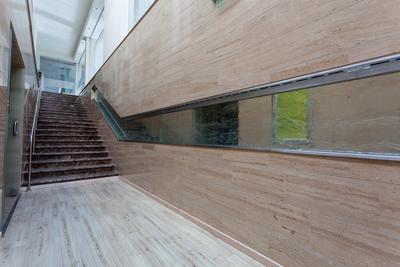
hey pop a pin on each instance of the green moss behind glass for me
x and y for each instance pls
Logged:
(291, 116)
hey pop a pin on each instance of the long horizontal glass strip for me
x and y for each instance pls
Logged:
(357, 118)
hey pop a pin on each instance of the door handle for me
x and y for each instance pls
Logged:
(15, 128)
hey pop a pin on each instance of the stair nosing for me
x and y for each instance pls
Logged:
(63, 169)
(73, 131)
(73, 177)
(68, 153)
(66, 140)
(68, 160)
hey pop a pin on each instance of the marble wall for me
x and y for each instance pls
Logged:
(296, 210)
(185, 50)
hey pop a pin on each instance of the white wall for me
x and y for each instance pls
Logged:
(98, 53)
(116, 24)
(89, 70)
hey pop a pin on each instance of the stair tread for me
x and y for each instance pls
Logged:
(64, 135)
(58, 116)
(71, 168)
(77, 118)
(71, 146)
(65, 111)
(69, 153)
(44, 127)
(65, 122)
(68, 160)
(67, 140)
(74, 177)
(38, 137)
(69, 131)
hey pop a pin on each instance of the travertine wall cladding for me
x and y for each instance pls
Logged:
(297, 210)
(186, 50)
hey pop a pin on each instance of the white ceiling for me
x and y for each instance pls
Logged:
(59, 25)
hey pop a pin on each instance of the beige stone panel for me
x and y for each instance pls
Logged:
(297, 210)
(187, 50)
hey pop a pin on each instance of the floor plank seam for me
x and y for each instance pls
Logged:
(224, 237)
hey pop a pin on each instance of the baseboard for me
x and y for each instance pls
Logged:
(224, 237)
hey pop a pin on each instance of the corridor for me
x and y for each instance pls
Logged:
(107, 222)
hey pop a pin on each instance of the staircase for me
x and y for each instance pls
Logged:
(68, 146)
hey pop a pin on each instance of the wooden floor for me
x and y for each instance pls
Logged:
(107, 223)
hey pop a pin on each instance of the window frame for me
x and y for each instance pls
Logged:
(366, 69)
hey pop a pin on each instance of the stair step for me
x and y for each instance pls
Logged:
(67, 134)
(69, 155)
(64, 119)
(55, 99)
(70, 162)
(72, 171)
(60, 123)
(60, 103)
(40, 137)
(63, 111)
(58, 142)
(67, 178)
(66, 127)
(47, 95)
(44, 131)
(37, 173)
(62, 114)
(40, 149)
(57, 107)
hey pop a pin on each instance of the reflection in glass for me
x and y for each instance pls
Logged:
(353, 116)
(178, 127)
(217, 124)
(144, 129)
(255, 122)
(361, 115)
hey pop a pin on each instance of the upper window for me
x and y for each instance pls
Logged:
(137, 9)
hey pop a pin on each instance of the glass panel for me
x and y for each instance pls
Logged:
(59, 76)
(361, 115)
(291, 117)
(178, 127)
(255, 122)
(111, 116)
(353, 116)
(217, 124)
(144, 129)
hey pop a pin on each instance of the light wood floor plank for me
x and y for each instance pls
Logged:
(107, 223)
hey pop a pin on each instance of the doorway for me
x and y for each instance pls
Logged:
(13, 136)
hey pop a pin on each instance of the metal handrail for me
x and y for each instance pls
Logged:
(33, 133)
